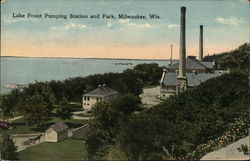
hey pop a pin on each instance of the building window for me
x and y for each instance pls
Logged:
(88, 104)
(85, 98)
(84, 103)
(97, 99)
(88, 98)
(100, 98)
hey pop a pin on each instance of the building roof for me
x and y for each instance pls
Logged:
(60, 126)
(193, 64)
(101, 91)
(170, 78)
(208, 64)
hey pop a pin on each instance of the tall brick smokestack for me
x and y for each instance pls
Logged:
(170, 61)
(182, 52)
(182, 84)
(201, 43)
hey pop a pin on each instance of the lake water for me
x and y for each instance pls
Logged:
(18, 70)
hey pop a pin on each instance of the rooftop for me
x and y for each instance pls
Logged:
(170, 78)
(60, 126)
(102, 90)
(193, 64)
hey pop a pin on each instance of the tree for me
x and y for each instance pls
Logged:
(37, 104)
(150, 74)
(64, 110)
(105, 115)
(132, 82)
(236, 60)
(126, 104)
(36, 110)
(6, 105)
(8, 102)
(108, 117)
(101, 130)
(7, 147)
(58, 88)
(185, 121)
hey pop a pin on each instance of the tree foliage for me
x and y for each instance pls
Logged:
(64, 109)
(101, 130)
(35, 110)
(9, 103)
(7, 147)
(54, 92)
(237, 59)
(187, 120)
(37, 104)
(108, 118)
(172, 129)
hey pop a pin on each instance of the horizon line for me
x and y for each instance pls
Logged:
(84, 58)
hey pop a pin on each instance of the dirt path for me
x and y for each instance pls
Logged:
(230, 152)
(81, 117)
(78, 112)
(149, 96)
(20, 138)
(15, 118)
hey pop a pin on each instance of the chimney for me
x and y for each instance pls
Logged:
(214, 64)
(163, 76)
(182, 52)
(182, 84)
(170, 62)
(201, 43)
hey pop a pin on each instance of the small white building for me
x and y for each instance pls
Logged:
(56, 132)
(102, 93)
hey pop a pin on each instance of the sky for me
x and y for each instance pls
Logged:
(225, 26)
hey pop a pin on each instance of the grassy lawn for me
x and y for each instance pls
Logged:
(69, 149)
(19, 126)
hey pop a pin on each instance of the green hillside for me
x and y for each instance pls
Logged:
(177, 127)
(237, 59)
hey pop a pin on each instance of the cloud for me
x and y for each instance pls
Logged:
(230, 21)
(146, 25)
(127, 23)
(245, 1)
(70, 26)
(109, 24)
(139, 26)
(172, 26)
(9, 20)
(124, 21)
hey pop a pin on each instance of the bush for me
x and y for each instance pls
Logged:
(188, 120)
(7, 147)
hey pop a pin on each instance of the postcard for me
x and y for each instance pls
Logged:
(124, 80)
